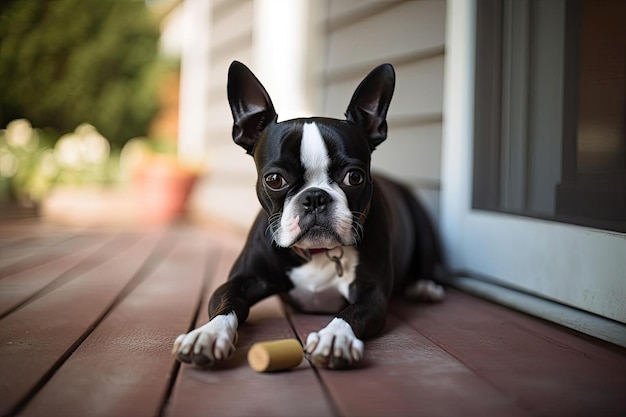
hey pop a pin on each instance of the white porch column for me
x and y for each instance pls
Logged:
(287, 48)
(194, 79)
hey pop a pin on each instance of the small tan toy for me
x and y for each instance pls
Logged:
(275, 355)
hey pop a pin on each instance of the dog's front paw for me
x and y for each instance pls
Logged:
(206, 345)
(334, 347)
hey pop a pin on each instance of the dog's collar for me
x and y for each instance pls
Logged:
(307, 254)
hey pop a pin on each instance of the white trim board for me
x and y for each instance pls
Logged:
(573, 265)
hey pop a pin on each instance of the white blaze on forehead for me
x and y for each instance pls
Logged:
(314, 155)
(316, 163)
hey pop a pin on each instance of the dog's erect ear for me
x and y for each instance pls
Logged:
(250, 104)
(370, 102)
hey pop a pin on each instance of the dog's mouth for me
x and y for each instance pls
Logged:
(318, 235)
(311, 232)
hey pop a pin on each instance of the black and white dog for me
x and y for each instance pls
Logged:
(331, 237)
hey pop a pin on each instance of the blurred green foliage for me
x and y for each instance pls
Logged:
(30, 164)
(67, 62)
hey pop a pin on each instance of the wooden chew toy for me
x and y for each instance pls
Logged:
(276, 355)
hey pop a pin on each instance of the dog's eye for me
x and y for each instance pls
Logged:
(275, 182)
(354, 178)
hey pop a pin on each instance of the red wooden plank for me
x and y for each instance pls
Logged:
(17, 288)
(30, 229)
(234, 389)
(26, 247)
(36, 227)
(601, 352)
(9, 240)
(543, 376)
(26, 256)
(124, 367)
(405, 374)
(36, 337)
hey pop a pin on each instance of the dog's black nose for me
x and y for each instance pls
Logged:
(315, 199)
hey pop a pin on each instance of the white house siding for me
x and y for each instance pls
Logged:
(356, 36)
(410, 35)
(226, 195)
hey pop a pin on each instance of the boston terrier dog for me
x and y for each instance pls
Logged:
(331, 238)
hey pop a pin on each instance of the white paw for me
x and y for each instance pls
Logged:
(208, 344)
(335, 346)
(425, 290)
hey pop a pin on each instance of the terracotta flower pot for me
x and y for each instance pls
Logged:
(161, 187)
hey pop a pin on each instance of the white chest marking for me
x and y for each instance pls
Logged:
(318, 288)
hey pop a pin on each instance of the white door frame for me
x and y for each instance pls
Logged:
(572, 265)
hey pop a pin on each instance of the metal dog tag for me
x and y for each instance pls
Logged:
(337, 261)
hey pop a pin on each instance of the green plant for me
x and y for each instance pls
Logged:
(66, 62)
(27, 164)
(30, 166)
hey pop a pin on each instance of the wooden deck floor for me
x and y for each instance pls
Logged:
(88, 317)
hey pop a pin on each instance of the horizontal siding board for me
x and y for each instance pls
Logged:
(229, 24)
(243, 203)
(419, 89)
(359, 35)
(231, 39)
(220, 121)
(230, 159)
(231, 174)
(342, 12)
(401, 30)
(355, 71)
(219, 76)
(410, 154)
(414, 120)
(231, 46)
(410, 36)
